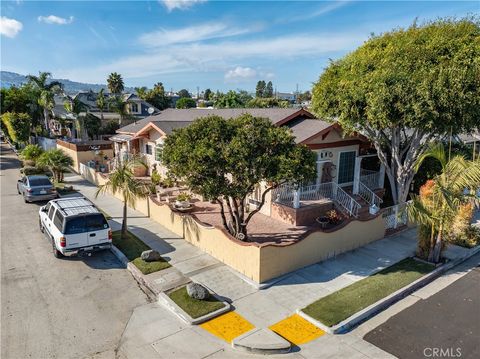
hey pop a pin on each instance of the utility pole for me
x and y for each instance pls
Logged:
(198, 92)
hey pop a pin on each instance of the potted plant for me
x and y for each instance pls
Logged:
(324, 221)
(334, 217)
(183, 200)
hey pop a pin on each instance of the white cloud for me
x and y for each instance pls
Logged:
(164, 37)
(219, 56)
(57, 20)
(180, 4)
(240, 73)
(10, 27)
(324, 9)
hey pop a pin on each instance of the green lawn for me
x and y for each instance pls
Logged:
(194, 307)
(133, 247)
(340, 305)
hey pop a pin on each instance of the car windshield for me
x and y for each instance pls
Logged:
(39, 182)
(88, 223)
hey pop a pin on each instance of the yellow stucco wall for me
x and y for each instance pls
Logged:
(83, 156)
(318, 246)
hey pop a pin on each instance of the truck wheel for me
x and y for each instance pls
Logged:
(25, 199)
(40, 225)
(56, 252)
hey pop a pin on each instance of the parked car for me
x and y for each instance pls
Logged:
(74, 226)
(36, 188)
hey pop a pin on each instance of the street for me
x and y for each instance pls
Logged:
(447, 324)
(55, 308)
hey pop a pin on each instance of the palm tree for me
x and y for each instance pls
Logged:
(123, 181)
(46, 93)
(101, 102)
(77, 107)
(56, 161)
(443, 196)
(115, 83)
(120, 106)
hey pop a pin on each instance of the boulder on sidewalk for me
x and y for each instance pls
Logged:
(151, 256)
(197, 291)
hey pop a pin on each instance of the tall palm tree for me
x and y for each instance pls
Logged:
(47, 92)
(101, 102)
(115, 83)
(77, 107)
(436, 209)
(123, 181)
(120, 106)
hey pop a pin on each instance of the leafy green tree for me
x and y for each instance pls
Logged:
(109, 128)
(267, 103)
(186, 102)
(56, 161)
(120, 105)
(46, 92)
(184, 93)
(31, 153)
(92, 125)
(404, 88)
(225, 160)
(102, 102)
(436, 208)
(260, 89)
(207, 95)
(268, 90)
(232, 99)
(142, 92)
(115, 83)
(79, 109)
(18, 126)
(123, 181)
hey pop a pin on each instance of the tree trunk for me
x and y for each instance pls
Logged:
(45, 117)
(124, 221)
(437, 250)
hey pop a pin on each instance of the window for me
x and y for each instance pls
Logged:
(75, 225)
(346, 167)
(148, 149)
(96, 222)
(50, 212)
(58, 220)
(158, 152)
(134, 107)
(40, 182)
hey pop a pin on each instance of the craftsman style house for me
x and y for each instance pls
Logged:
(341, 179)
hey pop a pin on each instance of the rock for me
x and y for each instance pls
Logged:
(197, 291)
(151, 256)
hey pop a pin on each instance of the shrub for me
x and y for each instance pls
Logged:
(334, 217)
(57, 161)
(17, 125)
(31, 170)
(184, 197)
(31, 153)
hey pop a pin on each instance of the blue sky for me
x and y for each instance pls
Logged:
(189, 43)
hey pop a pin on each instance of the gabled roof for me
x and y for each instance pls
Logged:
(170, 119)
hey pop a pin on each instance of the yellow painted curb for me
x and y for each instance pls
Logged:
(228, 326)
(297, 330)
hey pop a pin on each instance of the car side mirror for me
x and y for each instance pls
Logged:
(44, 210)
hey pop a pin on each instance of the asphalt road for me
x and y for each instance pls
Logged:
(55, 308)
(445, 325)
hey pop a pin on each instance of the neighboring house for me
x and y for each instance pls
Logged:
(471, 140)
(340, 180)
(286, 96)
(62, 122)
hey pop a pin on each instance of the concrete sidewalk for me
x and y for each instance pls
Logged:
(155, 332)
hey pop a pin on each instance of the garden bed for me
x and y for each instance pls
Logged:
(342, 304)
(132, 247)
(64, 189)
(193, 311)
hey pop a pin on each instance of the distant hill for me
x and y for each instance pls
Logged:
(9, 79)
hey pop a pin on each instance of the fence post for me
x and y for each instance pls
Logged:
(395, 212)
(296, 199)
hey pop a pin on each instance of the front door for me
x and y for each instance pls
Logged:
(346, 167)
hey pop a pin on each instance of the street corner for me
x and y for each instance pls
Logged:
(227, 326)
(297, 330)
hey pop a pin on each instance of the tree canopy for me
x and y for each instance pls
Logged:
(403, 88)
(18, 126)
(184, 93)
(115, 83)
(186, 102)
(225, 160)
(156, 96)
(232, 99)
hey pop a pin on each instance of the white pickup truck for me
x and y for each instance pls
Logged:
(74, 226)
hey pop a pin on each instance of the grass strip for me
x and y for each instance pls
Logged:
(194, 307)
(133, 247)
(340, 305)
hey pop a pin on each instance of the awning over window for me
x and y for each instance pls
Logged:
(121, 138)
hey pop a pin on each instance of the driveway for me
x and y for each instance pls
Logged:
(51, 308)
(446, 324)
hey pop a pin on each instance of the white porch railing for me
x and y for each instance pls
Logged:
(368, 195)
(328, 191)
(369, 178)
(395, 216)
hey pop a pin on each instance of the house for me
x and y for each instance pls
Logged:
(342, 181)
(471, 141)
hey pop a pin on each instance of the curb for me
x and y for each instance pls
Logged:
(282, 347)
(165, 300)
(384, 303)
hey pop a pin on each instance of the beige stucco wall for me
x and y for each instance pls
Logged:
(83, 156)
(318, 246)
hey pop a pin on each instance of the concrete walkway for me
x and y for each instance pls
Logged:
(154, 332)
